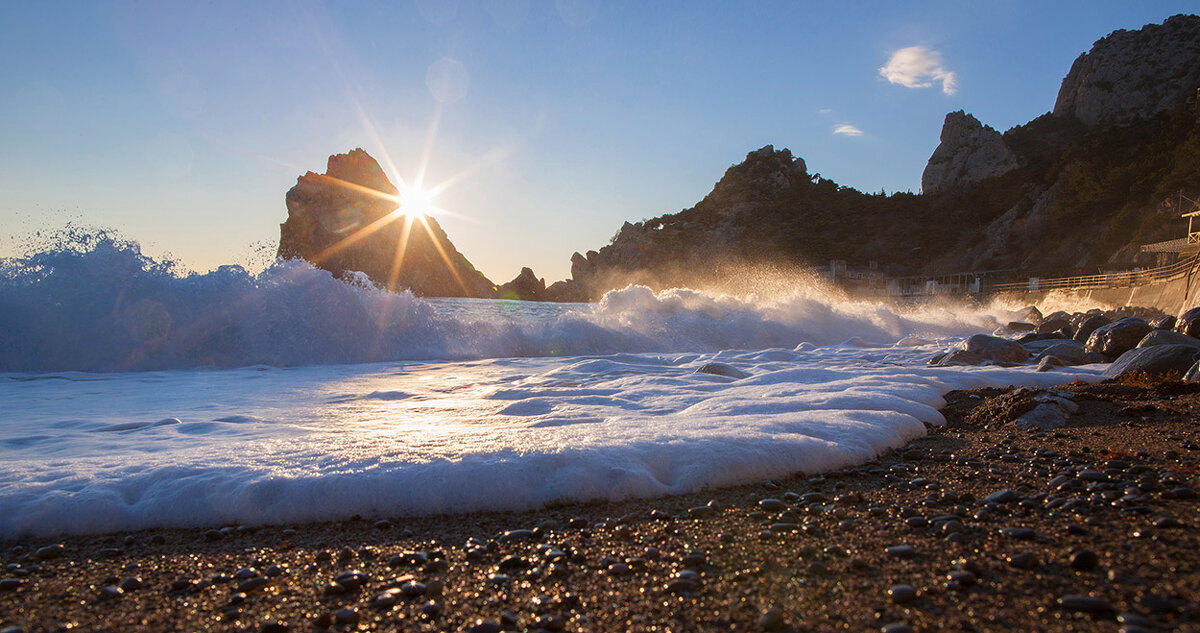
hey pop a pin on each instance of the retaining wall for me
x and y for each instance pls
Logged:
(1173, 296)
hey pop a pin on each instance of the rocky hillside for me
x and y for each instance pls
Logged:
(343, 221)
(1072, 191)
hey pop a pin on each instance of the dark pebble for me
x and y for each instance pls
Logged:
(1132, 618)
(771, 620)
(10, 584)
(897, 627)
(131, 584)
(512, 562)
(49, 552)
(517, 535)
(1001, 496)
(272, 626)
(386, 599)
(349, 615)
(1019, 533)
(961, 578)
(109, 592)
(253, 584)
(1023, 560)
(901, 551)
(902, 593)
(483, 626)
(772, 505)
(412, 589)
(1084, 560)
(683, 587)
(351, 580)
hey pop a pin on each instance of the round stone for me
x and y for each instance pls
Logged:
(902, 593)
(1084, 560)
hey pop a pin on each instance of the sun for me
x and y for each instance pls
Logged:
(415, 202)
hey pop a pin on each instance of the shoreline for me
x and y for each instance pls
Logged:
(1098, 524)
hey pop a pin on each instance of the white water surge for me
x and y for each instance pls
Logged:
(235, 415)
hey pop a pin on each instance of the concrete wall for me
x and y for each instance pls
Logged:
(1172, 297)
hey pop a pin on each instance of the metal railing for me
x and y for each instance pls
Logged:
(1104, 280)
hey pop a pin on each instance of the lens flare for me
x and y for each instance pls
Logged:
(416, 202)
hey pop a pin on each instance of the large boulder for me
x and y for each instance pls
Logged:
(1157, 359)
(969, 151)
(1164, 322)
(1089, 324)
(1069, 352)
(346, 220)
(1132, 75)
(1166, 337)
(1189, 323)
(1054, 322)
(995, 348)
(1118, 337)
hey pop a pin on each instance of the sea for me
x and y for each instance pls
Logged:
(134, 395)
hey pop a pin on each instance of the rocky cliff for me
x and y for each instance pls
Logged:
(1069, 192)
(348, 219)
(1134, 75)
(969, 152)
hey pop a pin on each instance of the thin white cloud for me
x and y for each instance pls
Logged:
(825, 111)
(846, 129)
(919, 67)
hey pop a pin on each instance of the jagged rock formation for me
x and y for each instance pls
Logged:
(342, 221)
(1066, 193)
(1133, 75)
(969, 152)
(526, 287)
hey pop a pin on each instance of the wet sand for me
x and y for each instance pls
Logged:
(979, 526)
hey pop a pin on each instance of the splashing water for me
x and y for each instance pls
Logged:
(288, 395)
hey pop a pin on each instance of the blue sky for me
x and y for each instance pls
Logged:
(182, 124)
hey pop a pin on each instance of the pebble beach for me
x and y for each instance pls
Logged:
(979, 526)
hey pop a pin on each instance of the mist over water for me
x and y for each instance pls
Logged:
(93, 302)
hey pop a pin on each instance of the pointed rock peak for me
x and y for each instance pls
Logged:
(969, 151)
(358, 167)
(346, 229)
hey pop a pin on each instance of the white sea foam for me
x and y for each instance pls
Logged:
(526, 404)
(86, 453)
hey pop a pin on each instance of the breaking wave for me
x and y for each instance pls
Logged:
(93, 302)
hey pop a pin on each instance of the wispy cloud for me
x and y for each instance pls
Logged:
(825, 111)
(846, 129)
(919, 67)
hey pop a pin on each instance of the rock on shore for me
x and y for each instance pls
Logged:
(343, 221)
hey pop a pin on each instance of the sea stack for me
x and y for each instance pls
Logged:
(346, 221)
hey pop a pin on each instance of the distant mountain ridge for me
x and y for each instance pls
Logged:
(1072, 190)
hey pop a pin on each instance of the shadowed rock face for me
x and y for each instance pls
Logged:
(340, 221)
(1131, 75)
(969, 152)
